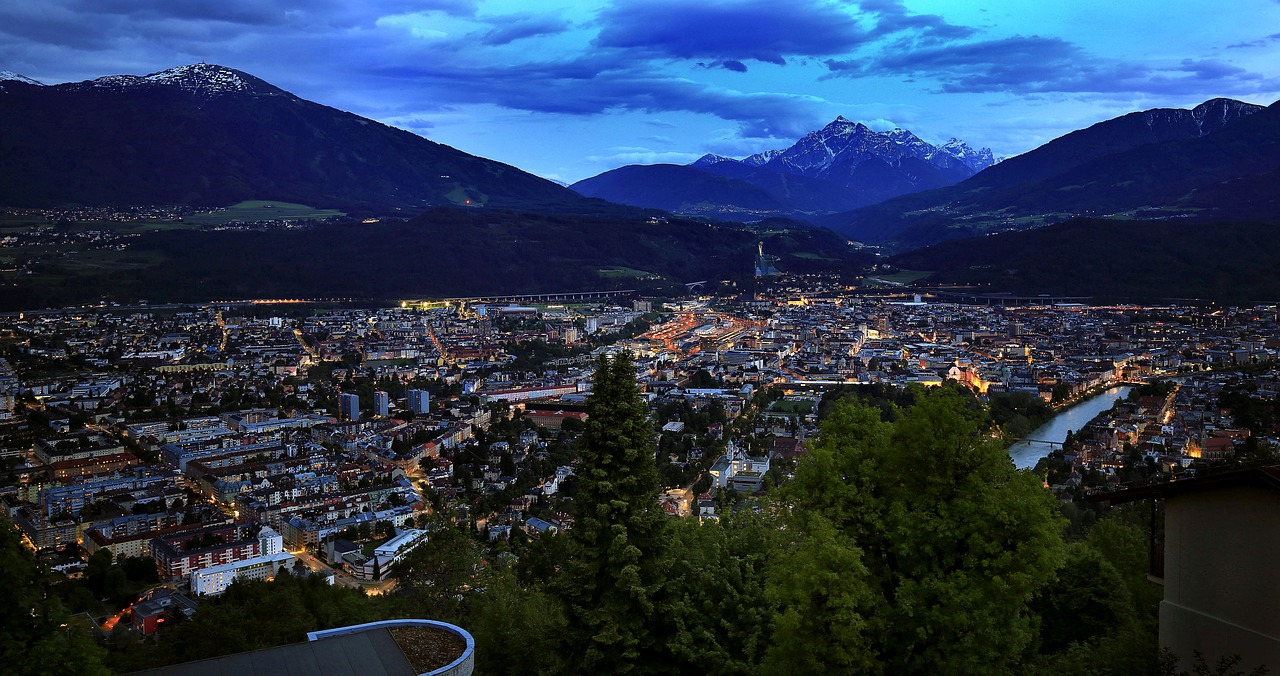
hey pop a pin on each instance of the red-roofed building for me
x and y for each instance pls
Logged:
(553, 420)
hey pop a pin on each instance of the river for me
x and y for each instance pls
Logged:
(1026, 454)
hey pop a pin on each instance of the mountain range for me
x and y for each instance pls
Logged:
(207, 135)
(842, 166)
(1219, 160)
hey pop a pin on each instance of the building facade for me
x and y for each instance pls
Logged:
(349, 406)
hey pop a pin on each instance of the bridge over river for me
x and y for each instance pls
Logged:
(1044, 439)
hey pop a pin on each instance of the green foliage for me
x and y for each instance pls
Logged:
(715, 611)
(955, 542)
(532, 355)
(827, 620)
(1100, 617)
(1090, 597)
(1018, 413)
(435, 579)
(249, 616)
(517, 626)
(35, 637)
(104, 578)
(1225, 666)
(1249, 410)
(618, 538)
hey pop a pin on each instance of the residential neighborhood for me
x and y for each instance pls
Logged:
(234, 440)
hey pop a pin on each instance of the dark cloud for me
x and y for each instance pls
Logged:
(924, 29)
(509, 28)
(52, 24)
(763, 30)
(319, 13)
(246, 12)
(728, 64)
(1213, 70)
(604, 82)
(1038, 65)
(1261, 42)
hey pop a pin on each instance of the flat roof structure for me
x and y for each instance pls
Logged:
(360, 650)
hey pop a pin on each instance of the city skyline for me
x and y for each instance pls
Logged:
(569, 91)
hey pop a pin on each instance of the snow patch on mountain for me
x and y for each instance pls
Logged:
(977, 160)
(10, 76)
(710, 159)
(1215, 114)
(844, 144)
(761, 159)
(200, 78)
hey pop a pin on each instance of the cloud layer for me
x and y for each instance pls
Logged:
(770, 70)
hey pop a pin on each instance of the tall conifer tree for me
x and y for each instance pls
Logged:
(615, 566)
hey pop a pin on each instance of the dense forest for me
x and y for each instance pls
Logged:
(444, 252)
(907, 543)
(1114, 259)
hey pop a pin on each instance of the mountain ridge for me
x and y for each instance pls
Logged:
(841, 166)
(212, 135)
(1105, 168)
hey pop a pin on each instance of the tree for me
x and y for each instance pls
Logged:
(504, 618)
(102, 577)
(716, 612)
(616, 559)
(954, 540)
(1089, 598)
(435, 578)
(1061, 392)
(34, 636)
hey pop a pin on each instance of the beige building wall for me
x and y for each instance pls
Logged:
(1222, 576)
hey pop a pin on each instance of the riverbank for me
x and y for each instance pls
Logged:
(1027, 453)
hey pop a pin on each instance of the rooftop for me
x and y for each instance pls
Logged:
(390, 648)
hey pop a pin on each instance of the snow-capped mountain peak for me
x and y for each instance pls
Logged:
(1217, 113)
(843, 145)
(10, 76)
(842, 126)
(977, 160)
(709, 159)
(761, 159)
(200, 78)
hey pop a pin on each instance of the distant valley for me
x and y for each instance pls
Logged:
(1110, 260)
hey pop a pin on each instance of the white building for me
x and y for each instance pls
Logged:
(272, 557)
(269, 541)
(215, 579)
(736, 470)
(390, 552)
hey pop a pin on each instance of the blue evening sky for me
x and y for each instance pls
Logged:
(569, 89)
